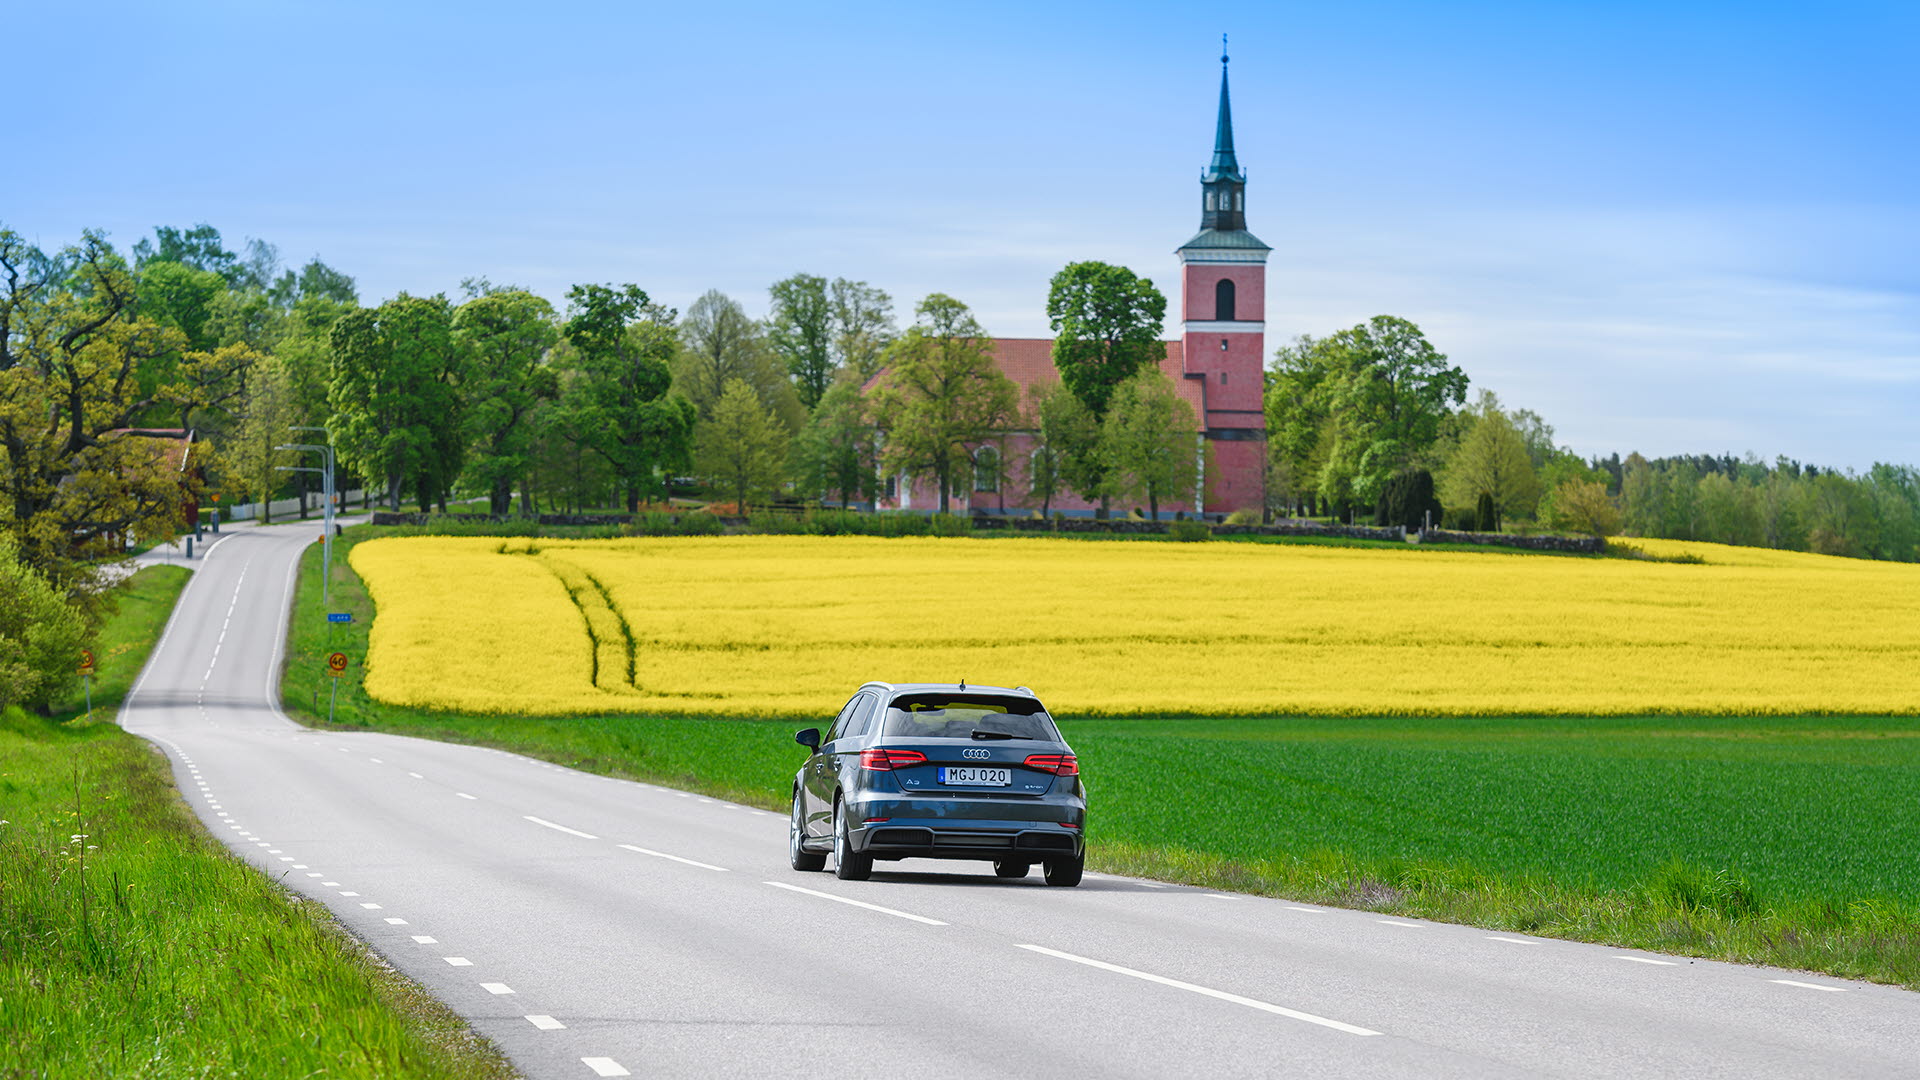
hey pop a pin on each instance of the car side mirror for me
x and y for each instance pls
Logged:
(809, 738)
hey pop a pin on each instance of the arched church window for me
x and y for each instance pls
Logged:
(986, 469)
(1223, 300)
(1239, 200)
(1209, 200)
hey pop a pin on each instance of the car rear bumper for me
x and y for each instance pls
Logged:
(960, 828)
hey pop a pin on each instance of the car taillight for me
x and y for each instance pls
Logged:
(884, 760)
(1057, 764)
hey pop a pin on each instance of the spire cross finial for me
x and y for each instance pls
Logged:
(1223, 48)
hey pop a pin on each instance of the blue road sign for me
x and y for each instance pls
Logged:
(339, 616)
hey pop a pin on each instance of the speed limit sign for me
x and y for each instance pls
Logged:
(337, 664)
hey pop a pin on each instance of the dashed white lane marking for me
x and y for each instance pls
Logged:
(675, 858)
(425, 940)
(457, 961)
(299, 866)
(371, 907)
(396, 922)
(464, 795)
(348, 892)
(604, 1066)
(416, 776)
(1810, 986)
(1647, 960)
(1308, 910)
(330, 884)
(1513, 940)
(545, 1023)
(315, 873)
(1149, 884)
(376, 761)
(496, 988)
(1222, 995)
(562, 828)
(1219, 896)
(1395, 922)
(856, 903)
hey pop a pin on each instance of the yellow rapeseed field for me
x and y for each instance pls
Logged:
(787, 626)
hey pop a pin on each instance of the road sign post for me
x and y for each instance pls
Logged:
(86, 676)
(336, 667)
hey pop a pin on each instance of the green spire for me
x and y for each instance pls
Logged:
(1224, 165)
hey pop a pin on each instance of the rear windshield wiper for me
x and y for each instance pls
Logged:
(984, 733)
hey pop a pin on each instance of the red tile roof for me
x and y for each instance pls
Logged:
(1029, 363)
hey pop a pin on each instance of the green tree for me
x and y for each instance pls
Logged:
(393, 392)
(742, 447)
(265, 413)
(1106, 323)
(835, 452)
(1150, 440)
(941, 391)
(1300, 429)
(1389, 393)
(77, 363)
(41, 633)
(861, 325)
(507, 336)
(1492, 460)
(722, 343)
(622, 402)
(1840, 517)
(199, 248)
(800, 329)
(1070, 435)
(1583, 506)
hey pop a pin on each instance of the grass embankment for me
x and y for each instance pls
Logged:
(133, 945)
(1782, 841)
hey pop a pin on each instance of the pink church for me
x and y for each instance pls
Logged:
(1216, 366)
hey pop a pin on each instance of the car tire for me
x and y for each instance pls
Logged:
(1011, 868)
(1066, 870)
(848, 865)
(797, 852)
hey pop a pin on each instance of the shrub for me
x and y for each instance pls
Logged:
(1486, 516)
(1407, 500)
(1190, 531)
(700, 523)
(949, 525)
(1246, 515)
(1458, 519)
(778, 523)
(40, 634)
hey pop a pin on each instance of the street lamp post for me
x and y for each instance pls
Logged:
(326, 486)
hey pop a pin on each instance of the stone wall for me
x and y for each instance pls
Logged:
(1587, 545)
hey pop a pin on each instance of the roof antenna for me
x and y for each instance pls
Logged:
(963, 682)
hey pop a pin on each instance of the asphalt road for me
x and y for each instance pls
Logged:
(594, 927)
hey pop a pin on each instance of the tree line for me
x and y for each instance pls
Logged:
(1374, 421)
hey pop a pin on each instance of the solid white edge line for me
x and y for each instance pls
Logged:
(1513, 940)
(561, 828)
(604, 1066)
(1251, 1003)
(675, 858)
(1647, 960)
(1810, 986)
(856, 903)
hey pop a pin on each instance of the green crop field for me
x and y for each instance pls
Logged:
(133, 945)
(1779, 840)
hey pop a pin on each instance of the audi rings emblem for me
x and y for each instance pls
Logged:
(975, 754)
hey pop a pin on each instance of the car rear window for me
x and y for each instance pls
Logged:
(969, 716)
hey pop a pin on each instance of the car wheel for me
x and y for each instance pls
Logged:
(1011, 868)
(797, 853)
(1065, 870)
(848, 865)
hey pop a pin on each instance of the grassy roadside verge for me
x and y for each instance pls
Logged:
(132, 944)
(1781, 841)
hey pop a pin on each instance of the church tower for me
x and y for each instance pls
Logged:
(1223, 302)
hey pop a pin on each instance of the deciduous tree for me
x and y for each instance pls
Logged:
(622, 400)
(940, 392)
(507, 336)
(742, 447)
(1150, 440)
(800, 329)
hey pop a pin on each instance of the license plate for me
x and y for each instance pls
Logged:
(969, 775)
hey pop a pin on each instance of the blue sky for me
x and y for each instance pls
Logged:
(1666, 227)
